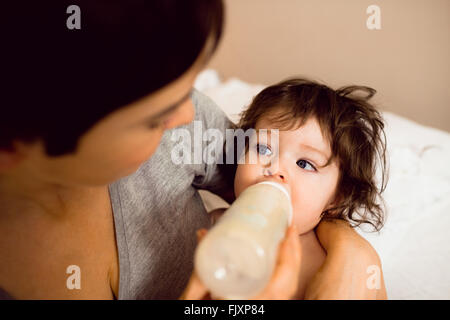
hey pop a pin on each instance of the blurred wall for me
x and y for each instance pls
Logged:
(407, 61)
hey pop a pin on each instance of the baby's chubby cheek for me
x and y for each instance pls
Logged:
(306, 215)
(245, 177)
(304, 221)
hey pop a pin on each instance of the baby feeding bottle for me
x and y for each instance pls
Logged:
(236, 258)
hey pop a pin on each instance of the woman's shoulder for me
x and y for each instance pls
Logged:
(39, 249)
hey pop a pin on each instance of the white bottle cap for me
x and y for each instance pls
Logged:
(286, 192)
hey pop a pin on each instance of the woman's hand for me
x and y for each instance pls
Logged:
(352, 269)
(284, 281)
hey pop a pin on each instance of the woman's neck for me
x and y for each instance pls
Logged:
(19, 191)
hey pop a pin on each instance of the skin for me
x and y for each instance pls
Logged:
(343, 275)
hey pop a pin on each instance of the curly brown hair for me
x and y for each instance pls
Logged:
(354, 129)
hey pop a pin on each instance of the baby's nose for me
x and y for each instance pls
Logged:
(275, 174)
(279, 177)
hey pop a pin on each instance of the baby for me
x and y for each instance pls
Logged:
(328, 146)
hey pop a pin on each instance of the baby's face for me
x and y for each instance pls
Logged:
(302, 154)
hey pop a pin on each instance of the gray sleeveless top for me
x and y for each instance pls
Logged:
(158, 209)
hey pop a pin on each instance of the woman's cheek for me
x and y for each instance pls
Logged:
(134, 154)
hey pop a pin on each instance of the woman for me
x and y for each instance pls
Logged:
(71, 128)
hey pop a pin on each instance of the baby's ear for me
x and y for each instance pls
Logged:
(332, 205)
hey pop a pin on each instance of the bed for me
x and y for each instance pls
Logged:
(414, 244)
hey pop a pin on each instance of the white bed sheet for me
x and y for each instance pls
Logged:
(414, 244)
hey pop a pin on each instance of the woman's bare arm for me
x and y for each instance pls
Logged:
(352, 269)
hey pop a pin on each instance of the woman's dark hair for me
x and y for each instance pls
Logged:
(353, 127)
(58, 82)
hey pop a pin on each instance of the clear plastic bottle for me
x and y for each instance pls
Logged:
(237, 257)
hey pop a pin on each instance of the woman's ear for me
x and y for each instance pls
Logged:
(11, 157)
(8, 160)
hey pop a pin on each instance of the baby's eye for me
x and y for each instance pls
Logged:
(263, 150)
(306, 165)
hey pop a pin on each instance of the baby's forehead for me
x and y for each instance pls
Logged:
(298, 131)
(271, 121)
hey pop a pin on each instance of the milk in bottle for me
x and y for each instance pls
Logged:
(236, 258)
